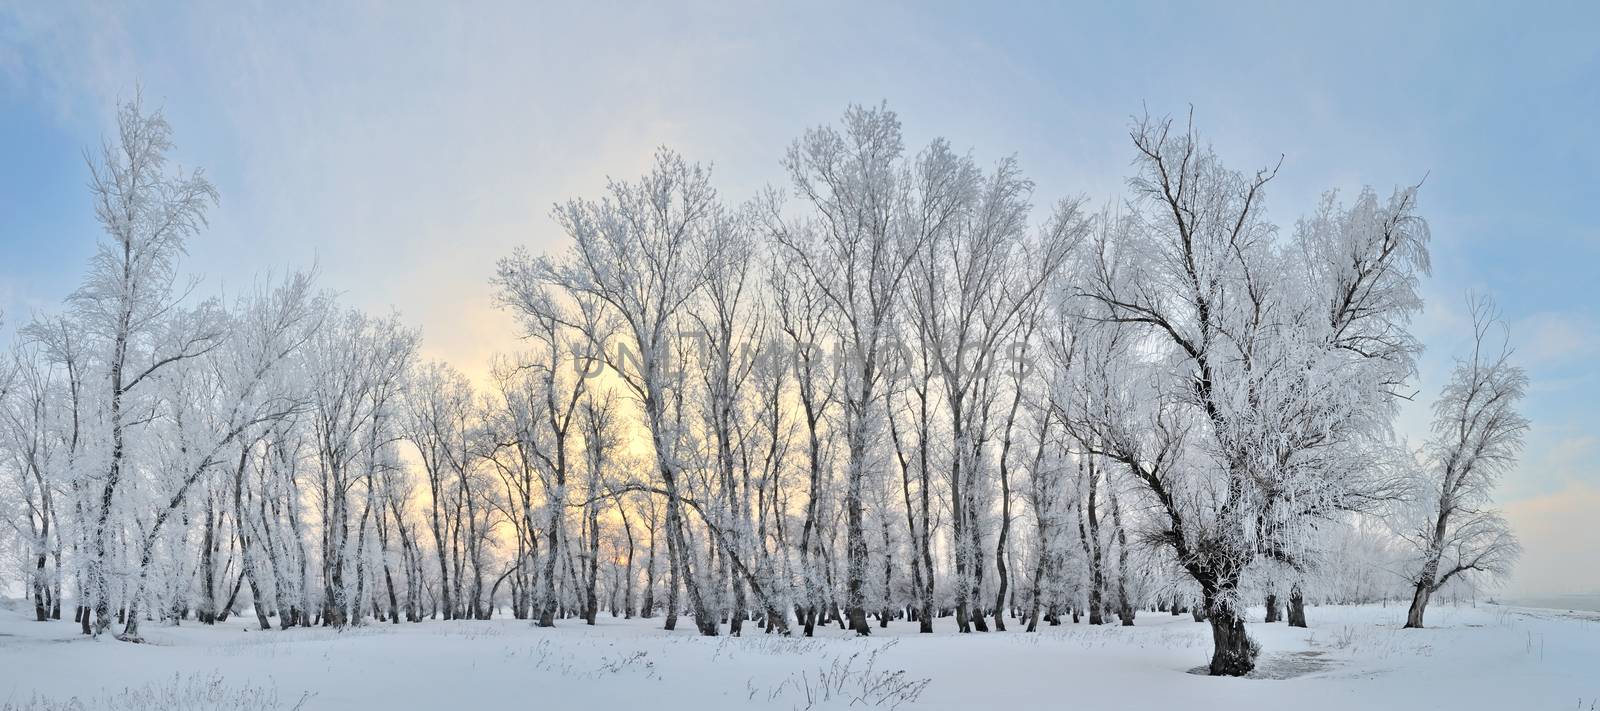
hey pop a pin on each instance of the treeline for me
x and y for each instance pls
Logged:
(889, 390)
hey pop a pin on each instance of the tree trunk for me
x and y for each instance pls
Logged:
(246, 560)
(1273, 615)
(1000, 550)
(1419, 604)
(41, 606)
(975, 533)
(1038, 586)
(232, 597)
(647, 604)
(888, 574)
(547, 595)
(1125, 608)
(1297, 607)
(855, 535)
(1090, 537)
(627, 589)
(591, 603)
(208, 587)
(1233, 652)
(440, 546)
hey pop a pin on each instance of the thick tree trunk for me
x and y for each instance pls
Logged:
(1297, 607)
(855, 534)
(975, 532)
(1273, 615)
(547, 595)
(1419, 604)
(41, 605)
(1233, 652)
(208, 587)
(1090, 537)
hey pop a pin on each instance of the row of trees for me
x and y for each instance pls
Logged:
(886, 392)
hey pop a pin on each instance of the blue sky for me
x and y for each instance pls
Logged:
(403, 149)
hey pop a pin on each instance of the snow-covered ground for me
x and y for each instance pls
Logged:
(1487, 657)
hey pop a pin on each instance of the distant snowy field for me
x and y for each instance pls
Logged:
(1487, 657)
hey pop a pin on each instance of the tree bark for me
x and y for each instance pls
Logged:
(1297, 607)
(591, 603)
(1090, 536)
(1419, 604)
(1234, 653)
(1125, 607)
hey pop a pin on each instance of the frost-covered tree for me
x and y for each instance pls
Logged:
(223, 400)
(438, 421)
(855, 250)
(1477, 434)
(1265, 366)
(634, 255)
(34, 460)
(728, 326)
(127, 303)
(1172, 402)
(804, 317)
(977, 273)
(355, 366)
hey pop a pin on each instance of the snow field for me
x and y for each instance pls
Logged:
(1487, 657)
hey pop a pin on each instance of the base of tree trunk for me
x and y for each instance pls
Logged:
(1233, 652)
(1297, 608)
(1419, 605)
